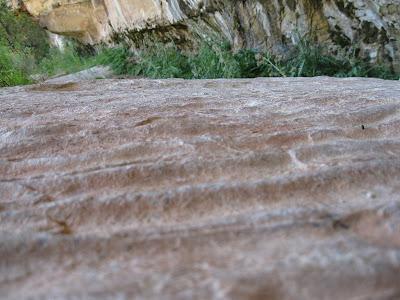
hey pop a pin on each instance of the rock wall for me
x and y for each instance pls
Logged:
(260, 24)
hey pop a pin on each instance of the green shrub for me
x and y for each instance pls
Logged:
(22, 34)
(66, 61)
(119, 59)
(162, 61)
(269, 65)
(214, 61)
(310, 59)
(25, 51)
(11, 68)
(217, 60)
(22, 44)
(248, 63)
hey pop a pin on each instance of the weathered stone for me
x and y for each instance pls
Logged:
(98, 72)
(278, 188)
(265, 25)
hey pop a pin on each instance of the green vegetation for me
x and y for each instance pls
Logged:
(310, 60)
(218, 60)
(25, 51)
(22, 44)
(69, 60)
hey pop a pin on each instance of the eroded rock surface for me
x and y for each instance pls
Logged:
(209, 189)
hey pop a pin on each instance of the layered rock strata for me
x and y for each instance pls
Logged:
(212, 189)
(371, 26)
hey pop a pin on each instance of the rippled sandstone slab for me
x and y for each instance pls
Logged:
(262, 188)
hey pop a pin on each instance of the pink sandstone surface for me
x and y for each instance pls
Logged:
(264, 188)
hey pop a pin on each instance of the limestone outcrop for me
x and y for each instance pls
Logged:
(267, 188)
(373, 26)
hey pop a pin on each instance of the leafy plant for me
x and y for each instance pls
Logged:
(311, 60)
(214, 61)
(119, 59)
(269, 65)
(248, 62)
(66, 61)
(25, 51)
(162, 61)
(218, 60)
(21, 33)
(11, 73)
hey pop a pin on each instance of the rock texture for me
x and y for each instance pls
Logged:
(209, 189)
(97, 72)
(265, 25)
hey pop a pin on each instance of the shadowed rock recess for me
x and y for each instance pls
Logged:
(266, 188)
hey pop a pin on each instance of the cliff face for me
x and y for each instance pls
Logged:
(273, 24)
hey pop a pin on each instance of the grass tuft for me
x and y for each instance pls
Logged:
(218, 60)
